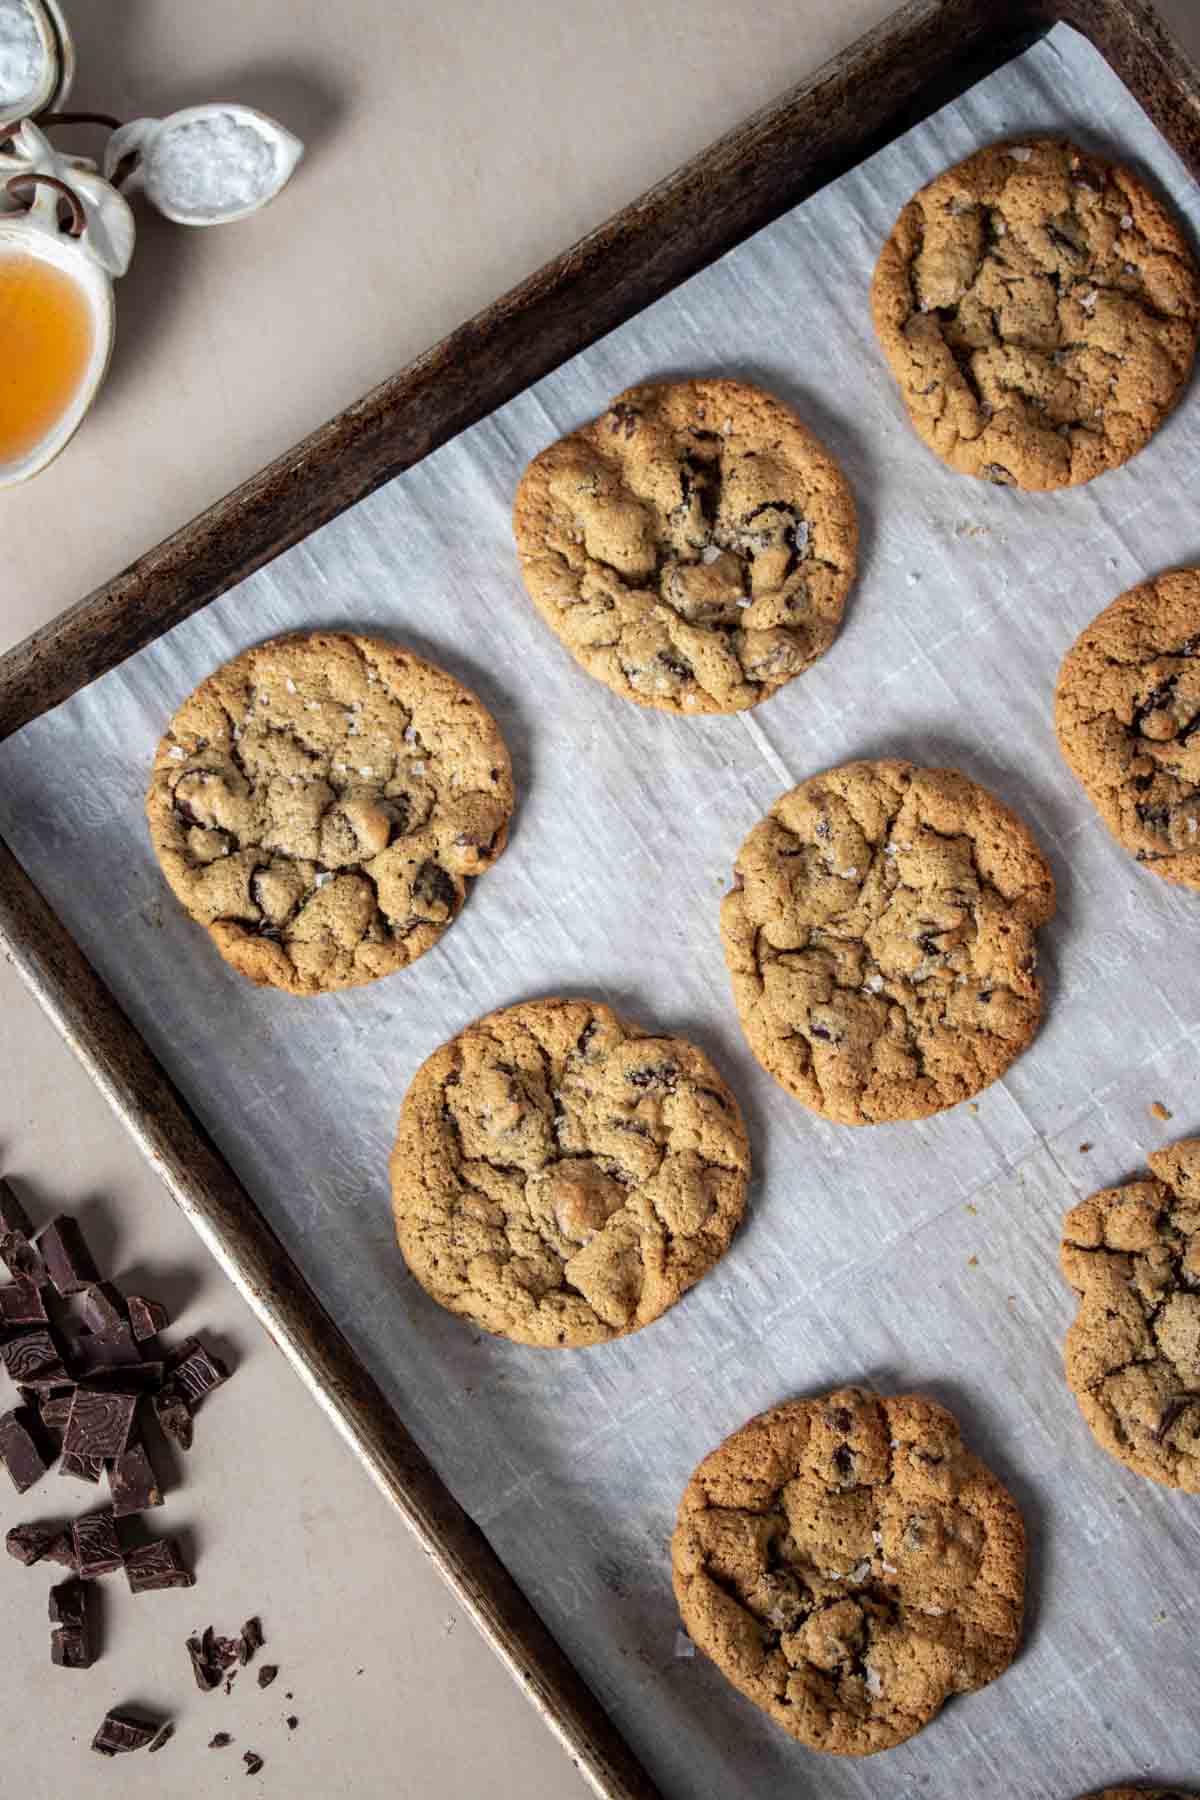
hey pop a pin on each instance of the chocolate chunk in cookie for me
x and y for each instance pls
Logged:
(561, 1177)
(1132, 1254)
(319, 804)
(881, 940)
(1039, 309)
(1127, 713)
(693, 547)
(848, 1565)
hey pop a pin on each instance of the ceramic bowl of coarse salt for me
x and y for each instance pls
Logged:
(37, 59)
(206, 165)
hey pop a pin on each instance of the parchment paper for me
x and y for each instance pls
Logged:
(911, 1255)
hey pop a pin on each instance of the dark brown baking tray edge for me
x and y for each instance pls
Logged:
(926, 53)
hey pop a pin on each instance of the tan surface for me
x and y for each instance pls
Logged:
(451, 150)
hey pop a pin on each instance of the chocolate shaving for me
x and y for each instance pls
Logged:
(120, 1732)
(208, 1676)
(164, 1736)
(253, 1762)
(219, 1740)
(252, 1639)
(267, 1674)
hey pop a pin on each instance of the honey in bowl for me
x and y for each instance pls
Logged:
(46, 336)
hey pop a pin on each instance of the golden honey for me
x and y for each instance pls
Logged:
(45, 347)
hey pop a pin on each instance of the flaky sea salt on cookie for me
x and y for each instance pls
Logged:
(693, 547)
(848, 1565)
(319, 804)
(561, 1177)
(1127, 714)
(1132, 1354)
(1039, 308)
(881, 940)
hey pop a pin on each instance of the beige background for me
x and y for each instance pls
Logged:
(451, 150)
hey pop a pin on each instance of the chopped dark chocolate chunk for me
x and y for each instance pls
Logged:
(13, 1216)
(219, 1741)
(126, 1378)
(67, 1604)
(20, 1450)
(147, 1317)
(164, 1736)
(267, 1674)
(158, 1564)
(173, 1415)
(252, 1638)
(208, 1676)
(69, 1649)
(226, 1651)
(100, 1422)
(83, 1468)
(97, 1546)
(194, 1371)
(253, 1762)
(22, 1259)
(132, 1482)
(54, 1409)
(68, 1260)
(103, 1308)
(120, 1732)
(62, 1550)
(70, 1643)
(21, 1303)
(33, 1360)
(93, 1351)
(29, 1543)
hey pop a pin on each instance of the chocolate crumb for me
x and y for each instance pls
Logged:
(1084, 1148)
(29, 1543)
(219, 1741)
(207, 1676)
(1159, 1111)
(267, 1674)
(291, 1721)
(253, 1762)
(252, 1638)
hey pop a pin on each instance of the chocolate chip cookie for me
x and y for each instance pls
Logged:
(319, 803)
(1039, 308)
(1127, 713)
(561, 1177)
(880, 935)
(1132, 1254)
(692, 548)
(848, 1565)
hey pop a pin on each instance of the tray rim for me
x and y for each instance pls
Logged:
(537, 325)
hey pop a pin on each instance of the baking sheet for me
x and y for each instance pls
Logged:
(912, 1255)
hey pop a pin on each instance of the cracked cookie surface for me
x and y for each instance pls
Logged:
(318, 804)
(1039, 309)
(692, 547)
(561, 1177)
(880, 937)
(1132, 1354)
(1127, 714)
(848, 1565)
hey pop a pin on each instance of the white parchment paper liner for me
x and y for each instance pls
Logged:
(914, 1255)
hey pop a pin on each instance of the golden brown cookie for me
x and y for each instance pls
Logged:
(1039, 308)
(562, 1177)
(1132, 1254)
(1127, 713)
(848, 1565)
(880, 935)
(319, 803)
(692, 547)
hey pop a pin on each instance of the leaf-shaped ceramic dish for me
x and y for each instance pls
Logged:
(37, 59)
(206, 165)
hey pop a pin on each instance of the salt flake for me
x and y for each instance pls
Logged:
(1020, 152)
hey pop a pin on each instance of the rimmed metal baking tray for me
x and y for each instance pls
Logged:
(926, 54)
